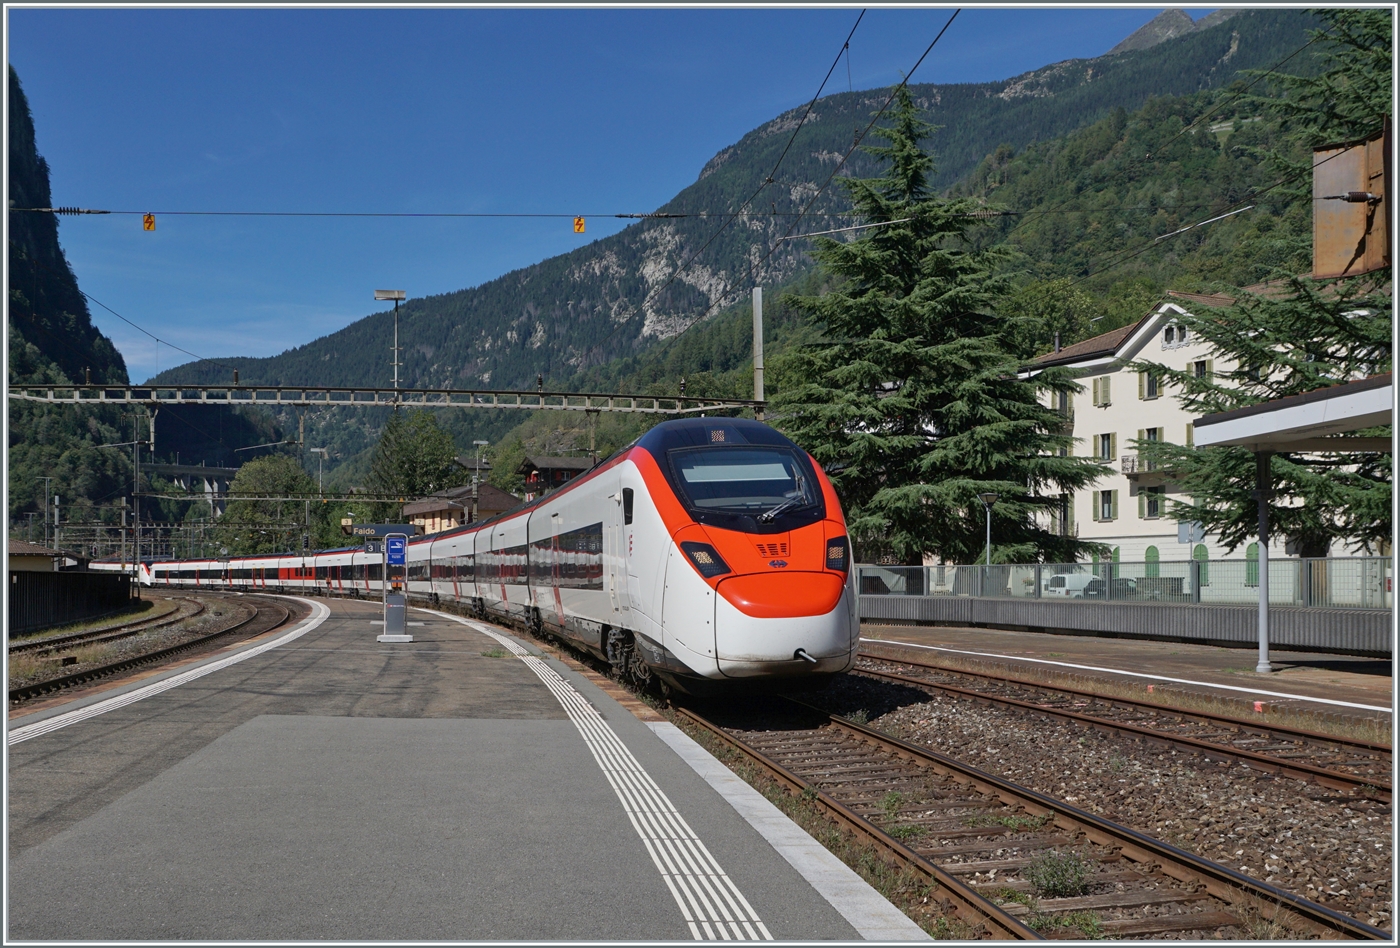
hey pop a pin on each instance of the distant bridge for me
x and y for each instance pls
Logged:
(301, 396)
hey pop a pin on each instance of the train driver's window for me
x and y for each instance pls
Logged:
(627, 505)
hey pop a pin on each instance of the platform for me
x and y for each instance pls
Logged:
(1331, 689)
(324, 786)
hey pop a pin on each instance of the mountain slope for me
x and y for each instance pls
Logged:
(605, 300)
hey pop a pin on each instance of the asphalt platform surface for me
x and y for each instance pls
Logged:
(336, 788)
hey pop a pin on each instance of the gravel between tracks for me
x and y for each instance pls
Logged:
(1327, 845)
(26, 669)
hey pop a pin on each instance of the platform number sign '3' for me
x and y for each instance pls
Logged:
(148, 222)
(578, 225)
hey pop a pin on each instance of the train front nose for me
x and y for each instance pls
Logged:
(790, 623)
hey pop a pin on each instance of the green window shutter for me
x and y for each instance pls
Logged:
(1113, 446)
(1251, 565)
(1142, 436)
(1069, 516)
(1096, 393)
(1113, 506)
(1202, 556)
(1106, 390)
(1142, 385)
(1142, 503)
(1210, 368)
(1095, 503)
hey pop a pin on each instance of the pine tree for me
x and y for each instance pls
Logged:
(1299, 335)
(414, 457)
(915, 403)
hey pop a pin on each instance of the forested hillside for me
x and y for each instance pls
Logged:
(606, 300)
(52, 339)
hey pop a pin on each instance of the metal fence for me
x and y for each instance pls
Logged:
(1362, 582)
(43, 600)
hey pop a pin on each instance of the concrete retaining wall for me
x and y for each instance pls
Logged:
(1362, 631)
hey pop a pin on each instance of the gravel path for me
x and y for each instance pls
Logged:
(1327, 845)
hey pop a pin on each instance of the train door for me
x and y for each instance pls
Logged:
(615, 554)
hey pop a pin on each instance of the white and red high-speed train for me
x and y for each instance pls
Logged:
(711, 550)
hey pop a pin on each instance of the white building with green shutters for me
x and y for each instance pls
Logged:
(1127, 509)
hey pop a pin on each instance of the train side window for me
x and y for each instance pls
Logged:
(626, 505)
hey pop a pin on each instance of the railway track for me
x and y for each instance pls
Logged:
(1009, 861)
(268, 614)
(186, 609)
(1334, 762)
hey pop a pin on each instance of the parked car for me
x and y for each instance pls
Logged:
(1068, 585)
(1120, 588)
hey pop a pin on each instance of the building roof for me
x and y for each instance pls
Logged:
(1101, 345)
(540, 462)
(470, 463)
(21, 548)
(430, 505)
(489, 497)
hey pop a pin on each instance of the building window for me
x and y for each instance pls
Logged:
(1169, 335)
(1151, 500)
(1102, 391)
(1149, 386)
(1201, 368)
(1202, 557)
(1251, 565)
(1108, 505)
(1107, 446)
(1152, 568)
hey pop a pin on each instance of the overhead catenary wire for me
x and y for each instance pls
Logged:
(762, 184)
(820, 191)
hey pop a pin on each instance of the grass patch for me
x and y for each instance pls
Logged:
(1058, 875)
(891, 802)
(1016, 822)
(859, 717)
(109, 621)
(1087, 923)
(905, 831)
(495, 653)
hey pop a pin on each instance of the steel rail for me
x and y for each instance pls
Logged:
(316, 396)
(1201, 717)
(968, 905)
(107, 634)
(1220, 881)
(104, 671)
(1336, 779)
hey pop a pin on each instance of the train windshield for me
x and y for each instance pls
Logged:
(752, 480)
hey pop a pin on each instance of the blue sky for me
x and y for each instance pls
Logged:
(427, 110)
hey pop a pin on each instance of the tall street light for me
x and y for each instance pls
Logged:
(476, 476)
(988, 499)
(396, 296)
(320, 459)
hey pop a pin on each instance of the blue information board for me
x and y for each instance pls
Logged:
(396, 548)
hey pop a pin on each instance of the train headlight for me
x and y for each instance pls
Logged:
(706, 559)
(838, 554)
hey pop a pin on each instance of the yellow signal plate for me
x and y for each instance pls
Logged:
(148, 222)
(578, 225)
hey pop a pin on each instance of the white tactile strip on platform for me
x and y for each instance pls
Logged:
(24, 732)
(710, 902)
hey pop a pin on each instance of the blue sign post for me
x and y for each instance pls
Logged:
(395, 600)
